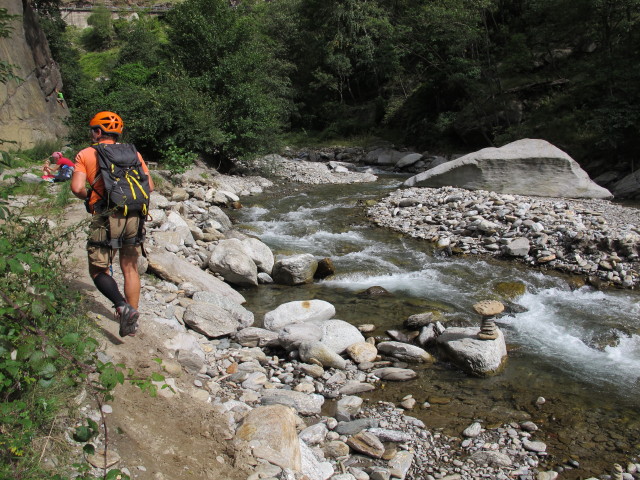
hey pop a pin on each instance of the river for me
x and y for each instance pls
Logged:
(578, 349)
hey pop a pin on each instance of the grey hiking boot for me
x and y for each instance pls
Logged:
(128, 318)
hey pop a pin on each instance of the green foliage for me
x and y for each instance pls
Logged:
(98, 64)
(101, 35)
(177, 160)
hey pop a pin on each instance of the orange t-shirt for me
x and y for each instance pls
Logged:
(87, 162)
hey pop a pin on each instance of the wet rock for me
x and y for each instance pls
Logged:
(295, 270)
(361, 352)
(394, 374)
(478, 357)
(321, 353)
(405, 352)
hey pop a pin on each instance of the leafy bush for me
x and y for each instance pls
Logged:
(177, 159)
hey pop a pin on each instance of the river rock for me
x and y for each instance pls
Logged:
(257, 337)
(241, 314)
(478, 357)
(298, 312)
(387, 435)
(518, 247)
(355, 426)
(260, 253)
(400, 464)
(361, 352)
(314, 434)
(210, 320)
(174, 269)
(176, 223)
(295, 270)
(354, 386)
(335, 449)
(491, 458)
(524, 167)
(312, 468)
(405, 352)
(229, 260)
(347, 408)
(338, 335)
(366, 443)
(292, 336)
(322, 353)
(304, 404)
(408, 160)
(271, 433)
(628, 187)
(394, 374)
(533, 446)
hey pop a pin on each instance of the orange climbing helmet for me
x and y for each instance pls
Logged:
(109, 122)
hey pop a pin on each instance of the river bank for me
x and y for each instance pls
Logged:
(228, 378)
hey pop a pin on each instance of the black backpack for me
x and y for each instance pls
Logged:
(126, 185)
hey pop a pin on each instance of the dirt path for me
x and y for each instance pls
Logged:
(157, 438)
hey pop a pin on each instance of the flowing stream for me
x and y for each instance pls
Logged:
(578, 349)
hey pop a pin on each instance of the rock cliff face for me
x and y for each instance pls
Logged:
(29, 112)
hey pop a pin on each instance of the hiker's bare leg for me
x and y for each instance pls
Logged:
(129, 266)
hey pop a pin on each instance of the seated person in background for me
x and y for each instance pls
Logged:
(63, 166)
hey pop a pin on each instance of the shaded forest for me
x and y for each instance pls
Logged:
(224, 80)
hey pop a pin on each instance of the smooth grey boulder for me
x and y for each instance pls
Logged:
(216, 214)
(304, 404)
(338, 335)
(384, 156)
(157, 200)
(478, 357)
(257, 337)
(260, 253)
(394, 374)
(210, 320)
(176, 270)
(310, 351)
(293, 335)
(298, 312)
(229, 259)
(405, 352)
(408, 160)
(518, 247)
(241, 314)
(628, 187)
(295, 270)
(524, 167)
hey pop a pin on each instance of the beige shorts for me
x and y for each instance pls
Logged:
(119, 227)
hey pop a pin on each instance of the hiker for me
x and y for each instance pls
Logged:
(118, 221)
(62, 165)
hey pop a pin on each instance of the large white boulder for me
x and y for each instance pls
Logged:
(298, 312)
(475, 356)
(524, 167)
(229, 259)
